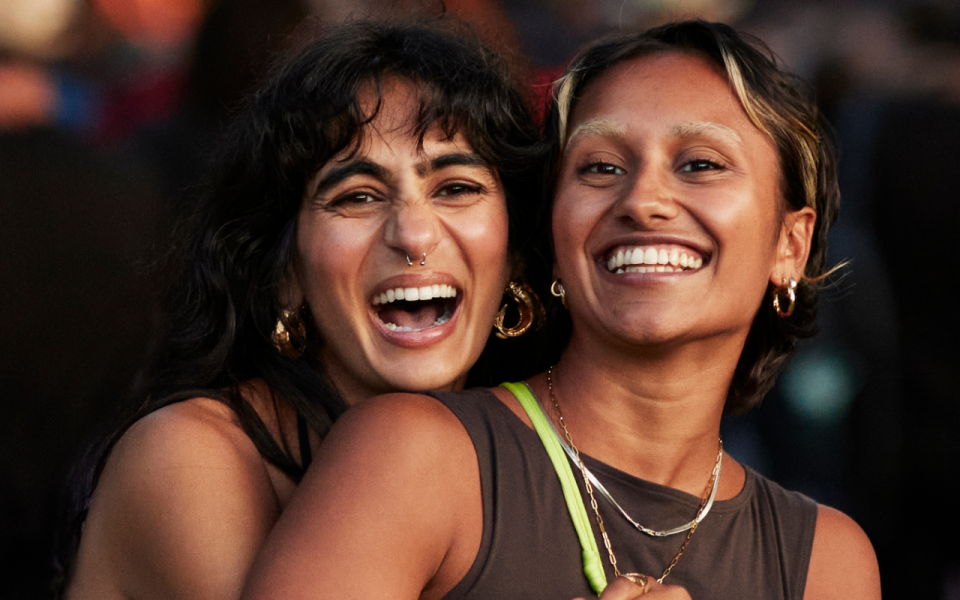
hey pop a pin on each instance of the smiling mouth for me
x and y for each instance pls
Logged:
(652, 259)
(415, 309)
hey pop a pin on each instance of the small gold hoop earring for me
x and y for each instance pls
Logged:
(556, 289)
(528, 305)
(790, 291)
(290, 334)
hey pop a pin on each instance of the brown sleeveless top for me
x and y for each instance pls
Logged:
(756, 545)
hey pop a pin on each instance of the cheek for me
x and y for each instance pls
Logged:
(329, 254)
(484, 236)
(569, 228)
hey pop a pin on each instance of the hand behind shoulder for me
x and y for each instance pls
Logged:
(180, 510)
(843, 563)
(624, 589)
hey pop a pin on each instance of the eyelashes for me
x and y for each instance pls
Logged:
(595, 168)
(363, 200)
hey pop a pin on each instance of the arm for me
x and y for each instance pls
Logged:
(390, 508)
(842, 563)
(183, 505)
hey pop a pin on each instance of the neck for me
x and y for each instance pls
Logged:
(655, 415)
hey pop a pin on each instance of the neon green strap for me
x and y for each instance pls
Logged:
(592, 565)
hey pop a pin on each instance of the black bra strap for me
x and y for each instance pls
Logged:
(303, 436)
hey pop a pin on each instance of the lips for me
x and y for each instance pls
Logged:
(414, 309)
(660, 258)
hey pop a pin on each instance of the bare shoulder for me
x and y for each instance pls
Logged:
(396, 482)
(182, 505)
(843, 563)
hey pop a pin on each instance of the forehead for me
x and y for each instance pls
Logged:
(683, 92)
(395, 108)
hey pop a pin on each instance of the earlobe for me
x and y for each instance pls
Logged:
(793, 248)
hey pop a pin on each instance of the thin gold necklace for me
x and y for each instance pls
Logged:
(593, 501)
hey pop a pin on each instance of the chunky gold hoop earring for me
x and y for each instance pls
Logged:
(790, 291)
(528, 305)
(556, 289)
(290, 334)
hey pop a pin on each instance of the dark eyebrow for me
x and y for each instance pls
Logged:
(452, 160)
(338, 174)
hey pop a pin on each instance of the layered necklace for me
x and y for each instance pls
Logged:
(590, 481)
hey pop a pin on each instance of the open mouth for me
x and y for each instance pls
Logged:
(416, 309)
(653, 259)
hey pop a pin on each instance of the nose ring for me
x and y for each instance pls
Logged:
(423, 260)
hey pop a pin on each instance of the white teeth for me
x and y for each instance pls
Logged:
(412, 294)
(670, 260)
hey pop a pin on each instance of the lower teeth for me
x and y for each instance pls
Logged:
(440, 321)
(650, 269)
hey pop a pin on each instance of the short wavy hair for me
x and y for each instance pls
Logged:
(781, 106)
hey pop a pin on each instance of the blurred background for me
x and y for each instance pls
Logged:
(108, 109)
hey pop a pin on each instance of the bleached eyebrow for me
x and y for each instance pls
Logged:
(602, 127)
(695, 128)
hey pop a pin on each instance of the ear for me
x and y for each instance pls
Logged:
(793, 247)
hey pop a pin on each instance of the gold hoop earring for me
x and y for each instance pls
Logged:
(556, 289)
(290, 334)
(528, 305)
(790, 291)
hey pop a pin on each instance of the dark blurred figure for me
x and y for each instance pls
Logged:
(75, 232)
(88, 190)
(917, 218)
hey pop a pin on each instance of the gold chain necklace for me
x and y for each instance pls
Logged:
(593, 500)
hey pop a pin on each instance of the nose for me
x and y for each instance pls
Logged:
(413, 230)
(650, 198)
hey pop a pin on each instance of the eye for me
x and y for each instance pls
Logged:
(601, 168)
(353, 199)
(459, 189)
(698, 165)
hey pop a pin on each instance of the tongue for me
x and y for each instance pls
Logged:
(419, 315)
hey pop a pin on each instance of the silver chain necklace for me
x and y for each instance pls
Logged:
(603, 491)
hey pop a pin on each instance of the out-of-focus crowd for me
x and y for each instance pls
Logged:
(108, 109)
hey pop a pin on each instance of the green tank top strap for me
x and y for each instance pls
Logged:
(592, 563)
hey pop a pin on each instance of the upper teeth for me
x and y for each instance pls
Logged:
(427, 292)
(652, 256)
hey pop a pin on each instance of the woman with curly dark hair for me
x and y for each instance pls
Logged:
(690, 190)
(357, 237)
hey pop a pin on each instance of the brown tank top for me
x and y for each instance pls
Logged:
(755, 545)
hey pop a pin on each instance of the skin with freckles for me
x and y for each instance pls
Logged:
(363, 213)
